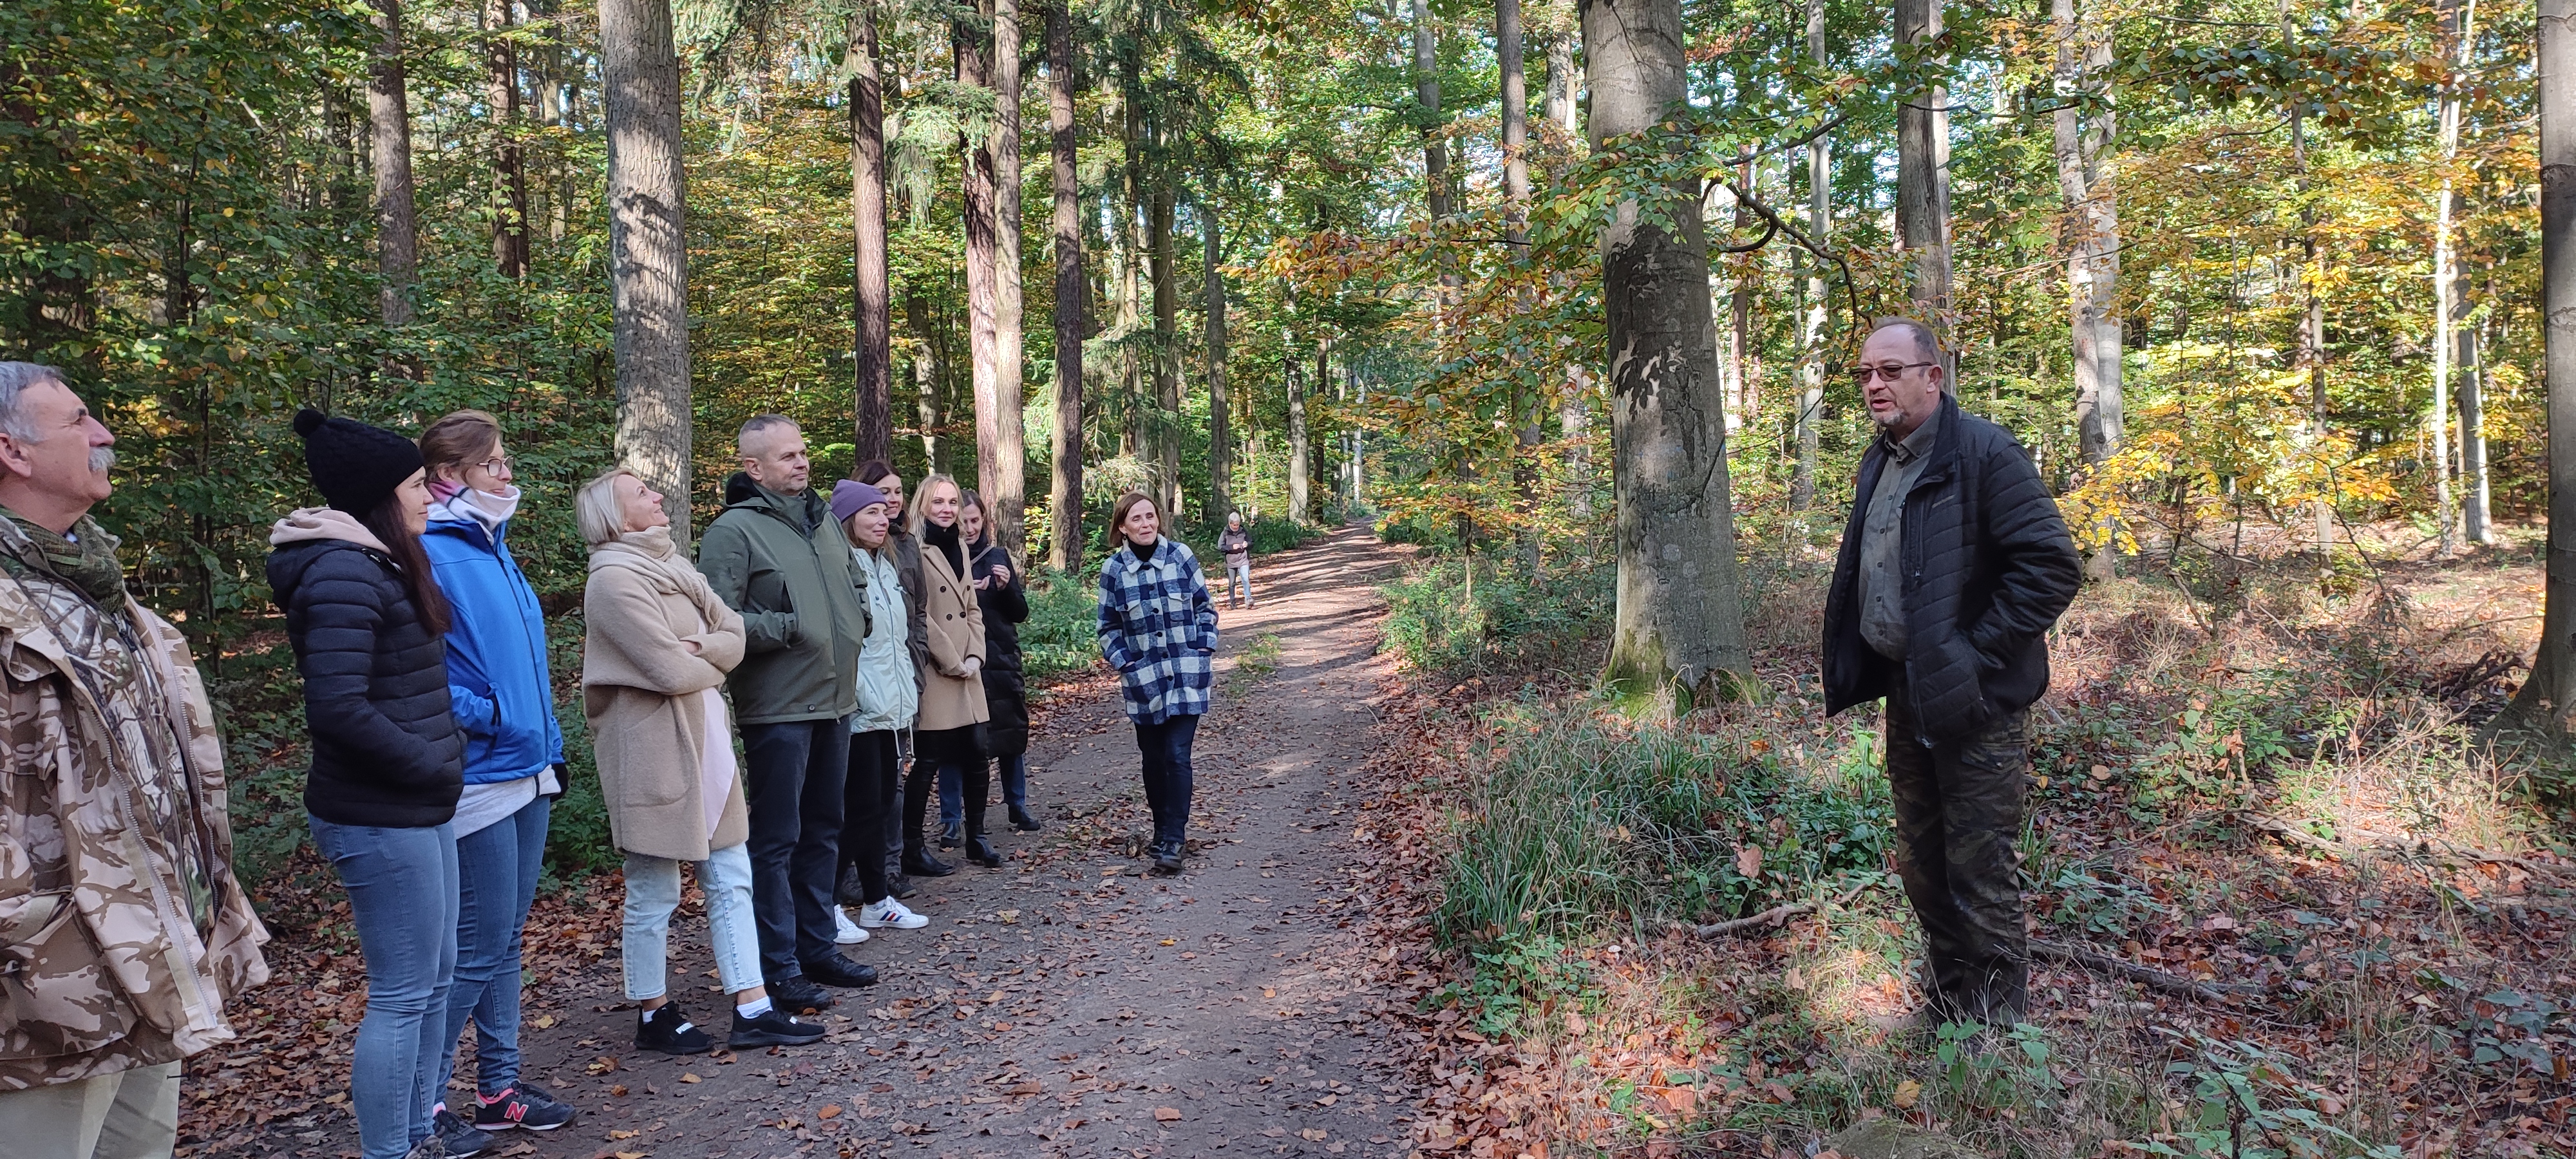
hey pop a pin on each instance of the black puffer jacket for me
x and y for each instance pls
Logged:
(1006, 607)
(1987, 566)
(385, 749)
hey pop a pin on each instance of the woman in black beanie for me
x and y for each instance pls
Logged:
(368, 625)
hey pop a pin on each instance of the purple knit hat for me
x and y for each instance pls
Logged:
(848, 497)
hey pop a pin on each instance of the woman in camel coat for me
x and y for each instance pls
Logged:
(947, 734)
(654, 659)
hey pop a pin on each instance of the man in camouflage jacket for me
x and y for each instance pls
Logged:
(123, 934)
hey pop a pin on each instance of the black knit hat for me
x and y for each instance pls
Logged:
(354, 465)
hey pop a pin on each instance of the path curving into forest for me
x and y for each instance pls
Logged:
(1066, 1005)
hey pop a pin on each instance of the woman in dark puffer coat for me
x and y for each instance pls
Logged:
(1006, 606)
(367, 623)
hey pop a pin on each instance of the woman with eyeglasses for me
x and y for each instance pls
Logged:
(503, 696)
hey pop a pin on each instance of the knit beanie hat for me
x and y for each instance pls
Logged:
(354, 465)
(848, 497)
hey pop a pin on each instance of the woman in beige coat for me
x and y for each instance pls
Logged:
(654, 660)
(948, 733)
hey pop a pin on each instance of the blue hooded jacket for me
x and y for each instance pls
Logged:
(497, 678)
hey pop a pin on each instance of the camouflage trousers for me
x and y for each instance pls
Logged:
(1959, 807)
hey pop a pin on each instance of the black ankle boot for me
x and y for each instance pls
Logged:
(918, 862)
(1021, 820)
(981, 852)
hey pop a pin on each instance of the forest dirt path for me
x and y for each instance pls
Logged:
(1066, 1004)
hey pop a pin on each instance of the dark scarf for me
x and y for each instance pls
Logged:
(1144, 552)
(85, 559)
(945, 539)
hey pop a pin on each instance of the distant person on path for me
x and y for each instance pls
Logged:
(368, 624)
(1158, 629)
(953, 712)
(94, 1017)
(888, 699)
(656, 647)
(776, 556)
(1237, 547)
(1954, 563)
(1006, 606)
(502, 693)
(904, 550)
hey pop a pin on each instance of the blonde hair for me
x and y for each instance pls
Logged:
(920, 506)
(596, 509)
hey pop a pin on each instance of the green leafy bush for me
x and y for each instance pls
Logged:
(1439, 620)
(1063, 631)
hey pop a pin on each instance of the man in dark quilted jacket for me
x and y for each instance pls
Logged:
(1953, 565)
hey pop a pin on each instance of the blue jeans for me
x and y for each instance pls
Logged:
(793, 774)
(653, 891)
(1238, 583)
(1015, 781)
(1168, 780)
(496, 872)
(402, 899)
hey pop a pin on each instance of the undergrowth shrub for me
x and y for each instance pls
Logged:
(1442, 621)
(1063, 631)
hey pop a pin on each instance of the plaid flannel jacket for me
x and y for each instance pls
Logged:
(1158, 629)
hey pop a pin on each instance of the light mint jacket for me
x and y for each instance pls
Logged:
(889, 696)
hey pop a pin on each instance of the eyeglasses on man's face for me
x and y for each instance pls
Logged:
(1890, 371)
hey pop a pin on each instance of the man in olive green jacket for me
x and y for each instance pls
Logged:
(776, 556)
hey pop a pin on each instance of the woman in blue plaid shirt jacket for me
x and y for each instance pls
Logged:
(1158, 629)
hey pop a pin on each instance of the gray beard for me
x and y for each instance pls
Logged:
(101, 459)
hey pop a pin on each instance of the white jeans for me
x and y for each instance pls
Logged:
(653, 891)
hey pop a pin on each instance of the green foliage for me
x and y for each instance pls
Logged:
(1440, 620)
(1063, 630)
(2247, 1105)
(1510, 977)
(1581, 824)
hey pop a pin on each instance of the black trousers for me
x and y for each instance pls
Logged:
(793, 774)
(869, 799)
(1169, 779)
(958, 748)
(1959, 807)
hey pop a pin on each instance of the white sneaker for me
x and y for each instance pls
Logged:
(846, 933)
(879, 914)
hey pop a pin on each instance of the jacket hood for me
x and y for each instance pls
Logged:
(311, 524)
(739, 487)
(808, 508)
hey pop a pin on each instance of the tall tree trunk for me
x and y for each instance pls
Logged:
(2082, 134)
(1680, 619)
(871, 300)
(2541, 710)
(1574, 404)
(1128, 251)
(2451, 292)
(1167, 352)
(2474, 516)
(1811, 334)
(1004, 464)
(1528, 410)
(929, 376)
(509, 159)
(648, 259)
(1220, 439)
(389, 121)
(1426, 92)
(1923, 171)
(1064, 503)
(980, 211)
(1739, 313)
(1300, 446)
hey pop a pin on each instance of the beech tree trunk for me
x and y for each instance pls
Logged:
(1426, 92)
(1300, 443)
(1064, 510)
(1004, 463)
(1680, 621)
(509, 160)
(389, 133)
(1923, 174)
(1811, 334)
(648, 253)
(1574, 406)
(1220, 438)
(979, 211)
(871, 301)
(2541, 709)
(2082, 134)
(1167, 352)
(2455, 345)
(1528, 409)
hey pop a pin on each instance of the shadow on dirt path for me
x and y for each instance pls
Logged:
(1065, 1004)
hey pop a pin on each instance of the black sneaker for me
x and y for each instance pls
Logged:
(1167, 859)
(526, 1106)
(849, 891)
(900, 885)
(950, 835)
(801, 994)
(1021, 821)
(458, 1136)
(835, 970)
(663, 1029)
(773, 1028)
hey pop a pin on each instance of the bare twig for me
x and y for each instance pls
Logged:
(1771, 917)
(2147, 976)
